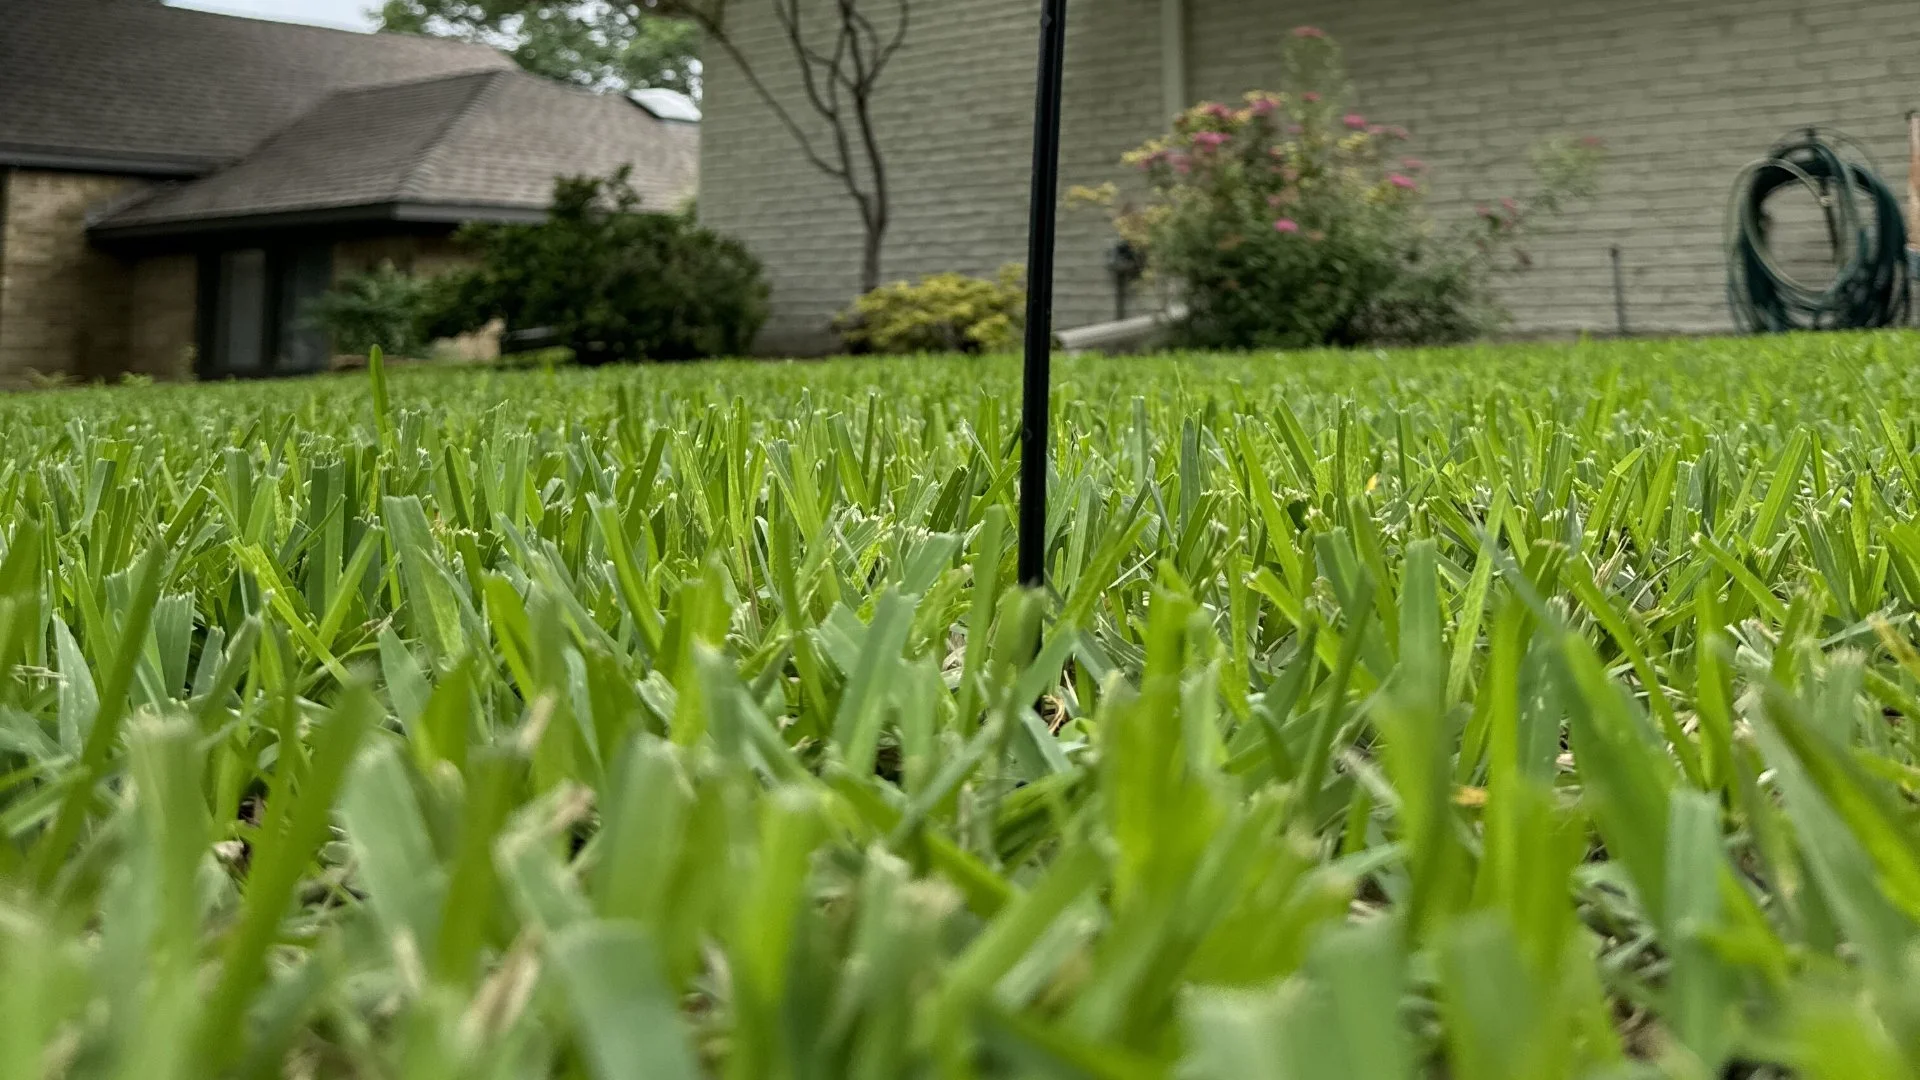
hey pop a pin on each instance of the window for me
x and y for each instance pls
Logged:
(305, 273)
(240, 313)
(255, 311)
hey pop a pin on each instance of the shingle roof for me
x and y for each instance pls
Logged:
(145, 87)
(451, 149)
(524, 130)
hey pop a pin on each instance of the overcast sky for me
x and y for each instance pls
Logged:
(350, 14)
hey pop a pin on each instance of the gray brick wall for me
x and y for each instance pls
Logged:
(1686, 92)
(955, 116)
(949, 116)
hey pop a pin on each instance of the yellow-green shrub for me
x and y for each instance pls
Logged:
(941, 313)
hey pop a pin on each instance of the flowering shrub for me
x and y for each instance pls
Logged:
(949, 313)
(1293, 219)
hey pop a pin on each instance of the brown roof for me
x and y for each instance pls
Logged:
(135, 86)
(459, 148)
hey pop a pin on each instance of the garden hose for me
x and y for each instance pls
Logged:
(1864, 223)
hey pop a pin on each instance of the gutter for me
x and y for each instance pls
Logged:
(21, 156)
(399, 212)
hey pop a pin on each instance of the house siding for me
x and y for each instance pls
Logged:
(63, 305)
(954, 115)
(1685, 94)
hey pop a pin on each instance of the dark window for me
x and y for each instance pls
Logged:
(258, 311)
(240, 313)
(305, 273)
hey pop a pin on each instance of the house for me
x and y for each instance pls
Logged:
(1684, 92)
(176, 185)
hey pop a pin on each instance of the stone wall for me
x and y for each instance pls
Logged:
(1685, 92)
(63, 305)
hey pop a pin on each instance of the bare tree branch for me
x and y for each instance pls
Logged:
(837, 85)
(900, 25)
(825, 101)
(712, 30)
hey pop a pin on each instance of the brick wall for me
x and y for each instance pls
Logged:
(63, 305)
(950, 116)
(1686, 93)
(67, 308)
(427, 255)
(162, 314)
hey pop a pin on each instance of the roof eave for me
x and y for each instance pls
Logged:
(411, 213)
(63, 159)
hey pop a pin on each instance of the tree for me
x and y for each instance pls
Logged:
(620, 44)
(605, 280)
(840, 70)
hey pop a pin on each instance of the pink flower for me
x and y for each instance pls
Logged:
(1305, 32)
(1218, 111)
(1398, 132)
(1413, 164)
(1404, 183)
(1510, 204)
(1483, 210)
(1210, 140)
(1264, 107)
(1376, 130)
(1181, 163)
(1311, 97)
(1286, 225)
(1356, 121)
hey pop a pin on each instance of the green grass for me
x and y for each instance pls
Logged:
(1520, 712)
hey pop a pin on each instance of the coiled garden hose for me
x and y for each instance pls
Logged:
(1869, 236)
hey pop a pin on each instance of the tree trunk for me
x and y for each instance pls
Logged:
(870, 259)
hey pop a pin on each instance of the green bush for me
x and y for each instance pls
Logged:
(380, 307)
(610, 282)
(942, 313)
(1292, 221)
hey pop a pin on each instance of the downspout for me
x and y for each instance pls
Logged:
(1173, 58)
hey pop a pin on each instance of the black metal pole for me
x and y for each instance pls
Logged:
(1619, 293)
(1035, 406)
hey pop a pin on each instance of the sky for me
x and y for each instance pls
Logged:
(348, 14)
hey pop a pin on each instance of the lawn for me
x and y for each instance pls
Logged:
(1516, 712)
